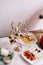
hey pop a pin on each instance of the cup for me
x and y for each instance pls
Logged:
(39, 35)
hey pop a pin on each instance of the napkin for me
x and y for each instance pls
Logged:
(5, 43)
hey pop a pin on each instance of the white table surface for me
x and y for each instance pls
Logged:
(17, 59)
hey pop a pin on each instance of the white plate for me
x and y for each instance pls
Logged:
(38, 61)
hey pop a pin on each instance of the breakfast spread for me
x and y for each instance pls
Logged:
(15, 36)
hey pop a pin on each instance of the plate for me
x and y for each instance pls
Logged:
(37, 61)
(26, 39)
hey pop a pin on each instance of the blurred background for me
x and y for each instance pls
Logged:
(19, 11)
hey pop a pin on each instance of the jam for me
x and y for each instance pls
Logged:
(29, 55)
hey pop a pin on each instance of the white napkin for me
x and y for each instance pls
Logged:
(40, 62)
(5, 43)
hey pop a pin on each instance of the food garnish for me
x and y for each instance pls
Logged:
(27, 38)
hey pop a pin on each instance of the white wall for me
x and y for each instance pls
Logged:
(34, 23)
(17, 11)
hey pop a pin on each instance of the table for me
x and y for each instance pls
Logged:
(17, 59)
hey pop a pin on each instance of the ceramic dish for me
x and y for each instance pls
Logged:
(34, 55)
